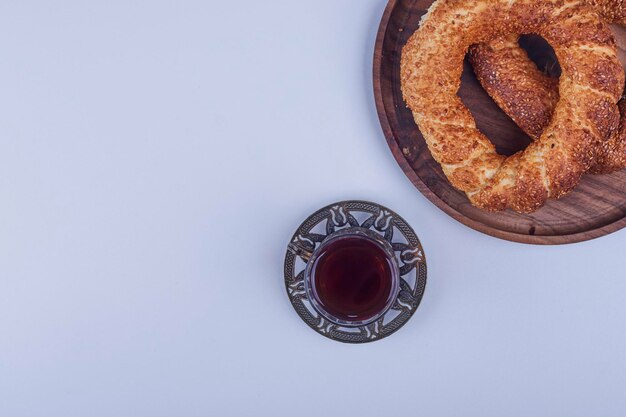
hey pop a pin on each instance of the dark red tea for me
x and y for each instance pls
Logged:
(352, 278)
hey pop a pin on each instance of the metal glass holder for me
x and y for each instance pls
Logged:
(378, 222)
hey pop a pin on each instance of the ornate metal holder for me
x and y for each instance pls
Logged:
(368, 218)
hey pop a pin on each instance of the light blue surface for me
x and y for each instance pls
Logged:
(155, 158)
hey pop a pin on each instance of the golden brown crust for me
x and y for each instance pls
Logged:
(612, 11)
(617, 156)
(529, 96)
(515, 83)
(431, 67)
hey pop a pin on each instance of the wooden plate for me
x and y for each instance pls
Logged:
(595, 208)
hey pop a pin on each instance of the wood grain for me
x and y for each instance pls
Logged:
(595, 208)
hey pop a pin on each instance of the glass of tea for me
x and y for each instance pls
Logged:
(352, 277)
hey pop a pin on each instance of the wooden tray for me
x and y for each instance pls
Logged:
(595, 208)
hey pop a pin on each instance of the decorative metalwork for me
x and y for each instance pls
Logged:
(378, 219)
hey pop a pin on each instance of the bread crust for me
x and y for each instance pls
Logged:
(528, 96)
(551, 166)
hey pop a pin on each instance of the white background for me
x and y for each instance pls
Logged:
(155, 158)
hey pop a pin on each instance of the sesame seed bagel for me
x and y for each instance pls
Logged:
(551, 166)
(612, 11)
(529, 96)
